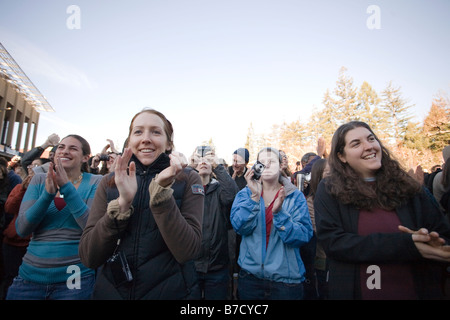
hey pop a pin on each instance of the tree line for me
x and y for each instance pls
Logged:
(388, 113)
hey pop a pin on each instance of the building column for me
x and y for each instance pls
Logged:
(20, 129)
(3, 104)
(27, 135)
(12, 121)
(33, 142)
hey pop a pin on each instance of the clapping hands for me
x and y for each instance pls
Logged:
(429, 244)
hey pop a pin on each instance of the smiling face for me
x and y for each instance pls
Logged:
(148, 138)
(362, 152)
(238, 164)
(70, 151)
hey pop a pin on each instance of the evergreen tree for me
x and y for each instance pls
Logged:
(436, 125)
(339, 108)
(397, 111)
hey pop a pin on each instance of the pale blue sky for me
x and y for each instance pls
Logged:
(214, 66)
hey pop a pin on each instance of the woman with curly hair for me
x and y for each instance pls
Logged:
(383, 235)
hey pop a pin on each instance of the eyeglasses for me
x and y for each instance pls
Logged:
(32, 165)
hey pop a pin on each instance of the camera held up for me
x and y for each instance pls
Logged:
(258, 169)
(203, 150)
(104, 157)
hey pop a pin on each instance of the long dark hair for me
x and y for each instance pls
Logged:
(316, 176)
(392, 186)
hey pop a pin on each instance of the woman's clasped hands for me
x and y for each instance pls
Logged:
(429, 244)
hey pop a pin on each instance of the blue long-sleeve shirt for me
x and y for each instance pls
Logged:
(55, 233)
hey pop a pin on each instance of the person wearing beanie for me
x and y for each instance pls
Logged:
(438, 187)
(238, 168)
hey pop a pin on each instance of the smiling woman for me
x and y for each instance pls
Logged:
(55, 210)
(149, 212)
(377, 224)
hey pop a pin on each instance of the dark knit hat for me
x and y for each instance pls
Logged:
(243, 153)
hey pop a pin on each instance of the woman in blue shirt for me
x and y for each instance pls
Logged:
(54, 210)
(272, 217)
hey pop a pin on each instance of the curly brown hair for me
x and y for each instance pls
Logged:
(392, 186)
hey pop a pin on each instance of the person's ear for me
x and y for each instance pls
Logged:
(341, 157)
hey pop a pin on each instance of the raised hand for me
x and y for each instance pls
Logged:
(255, 186)
(50, 182)
(61, 177)
(212, 159)
(125, 178)
(278, 203)
(177, 162)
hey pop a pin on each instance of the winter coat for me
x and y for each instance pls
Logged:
(159, 242)
(291, 228)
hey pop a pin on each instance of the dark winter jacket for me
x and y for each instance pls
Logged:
(337, 231)
(219, 196)
(160, 241)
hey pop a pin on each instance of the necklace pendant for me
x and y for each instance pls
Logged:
(78, 180)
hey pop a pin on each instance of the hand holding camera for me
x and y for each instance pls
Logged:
(104, 157)
(258, 169)
(253, 184)
(205, 154)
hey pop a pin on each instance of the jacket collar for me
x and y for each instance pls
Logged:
(162, 162)
(289, 187)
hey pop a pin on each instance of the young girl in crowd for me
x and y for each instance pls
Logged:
(383, 236)
(146, 219)
(54, 210)
(272, 217)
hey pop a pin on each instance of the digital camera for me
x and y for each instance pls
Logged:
(203, 150)
(258, 169)
(104, 157)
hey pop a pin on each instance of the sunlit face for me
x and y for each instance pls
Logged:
(204, 167)
(70, 151)
(147, 138)
(272, 164)
(238, 163)
(362, 152)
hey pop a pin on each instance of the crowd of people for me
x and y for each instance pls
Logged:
(147, 222)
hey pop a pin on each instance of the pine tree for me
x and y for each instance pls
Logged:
(397, 111)
(436, 125)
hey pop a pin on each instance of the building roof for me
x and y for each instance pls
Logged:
(11, 71)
